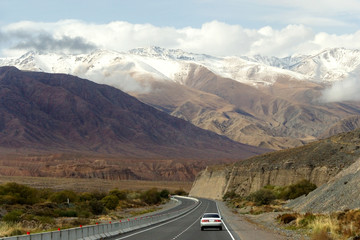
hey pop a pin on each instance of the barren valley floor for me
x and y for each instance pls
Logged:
(94, 184)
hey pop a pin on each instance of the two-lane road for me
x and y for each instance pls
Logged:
(184, 227)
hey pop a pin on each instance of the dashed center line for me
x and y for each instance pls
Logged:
(189, 226)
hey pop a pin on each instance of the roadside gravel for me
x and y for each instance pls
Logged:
(257, 227)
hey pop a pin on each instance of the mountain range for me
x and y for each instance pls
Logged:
(268, 102)
(44, 113)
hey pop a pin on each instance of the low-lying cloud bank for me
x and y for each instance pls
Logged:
(345, 90)
(214, 38)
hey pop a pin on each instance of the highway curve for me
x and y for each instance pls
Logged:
(184, 227)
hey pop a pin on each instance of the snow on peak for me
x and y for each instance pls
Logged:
(125, 69)
(166, 54)
(329, 65)
(284, 63)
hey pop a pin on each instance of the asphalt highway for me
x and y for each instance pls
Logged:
(185, 227)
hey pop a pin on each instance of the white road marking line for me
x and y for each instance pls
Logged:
(185, 229)
(145, 230)
(232, 237)
(190, 225)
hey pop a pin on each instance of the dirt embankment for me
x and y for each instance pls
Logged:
(318, 162)
(340, 193)
(211, 183)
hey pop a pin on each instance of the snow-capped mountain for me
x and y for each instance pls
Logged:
(221, 94)
(124, 69)
(237, 68)
(103, 66)
(284, 63)
(329, 65)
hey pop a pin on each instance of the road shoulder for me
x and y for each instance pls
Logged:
(245, 229)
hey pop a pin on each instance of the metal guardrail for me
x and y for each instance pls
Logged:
(102, 231)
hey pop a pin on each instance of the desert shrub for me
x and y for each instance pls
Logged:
(96, 207)
(270, 187)
(82, 213)
(66, 213)
(83, 210)
(287, 218)
(121, 195)
(327, 224)
(28, 217)
(180, 192)
(151, 196)
(13, 216)
(44, 219)
(321, 235)
(165, 194)
(98, 195)
(262, 197)
(305, 220)
(16, 232)
(8, 199)
(44, 194)
(83, 197)
(63, 196)
(13, 193)
(110, 202)
(296, 190)
(40, 210)
(80, 221)
(230, 195)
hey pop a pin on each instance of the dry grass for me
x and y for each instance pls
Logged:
(336, 226)
(326, 224)
(94, 184)
(7, 229)
(322, 235)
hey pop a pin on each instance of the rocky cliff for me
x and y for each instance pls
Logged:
(212, 182)
(318, 162)
(340, 193)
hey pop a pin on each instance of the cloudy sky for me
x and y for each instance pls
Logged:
(217, 27)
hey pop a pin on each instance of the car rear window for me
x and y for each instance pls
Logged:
(211, 216)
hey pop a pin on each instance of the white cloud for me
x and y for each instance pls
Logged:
(215, 38)
(345, 90)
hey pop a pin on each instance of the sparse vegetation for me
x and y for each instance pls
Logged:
(165, 194)
(13, 193)
(94, 184)
(268, 194)
(180, 192)
(262, 197)
(12, 217)
(230, 195)
(336, 226)
(28, 209)
(293, 191)
(151, 196)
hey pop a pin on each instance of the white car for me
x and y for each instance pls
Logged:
(211, 220)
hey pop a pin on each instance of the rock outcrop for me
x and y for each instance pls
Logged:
(211, 183)
(341, 193)
(318, 162)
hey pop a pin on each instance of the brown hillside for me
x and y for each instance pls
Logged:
(58, 113)
(317, 161)
(279, 116)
